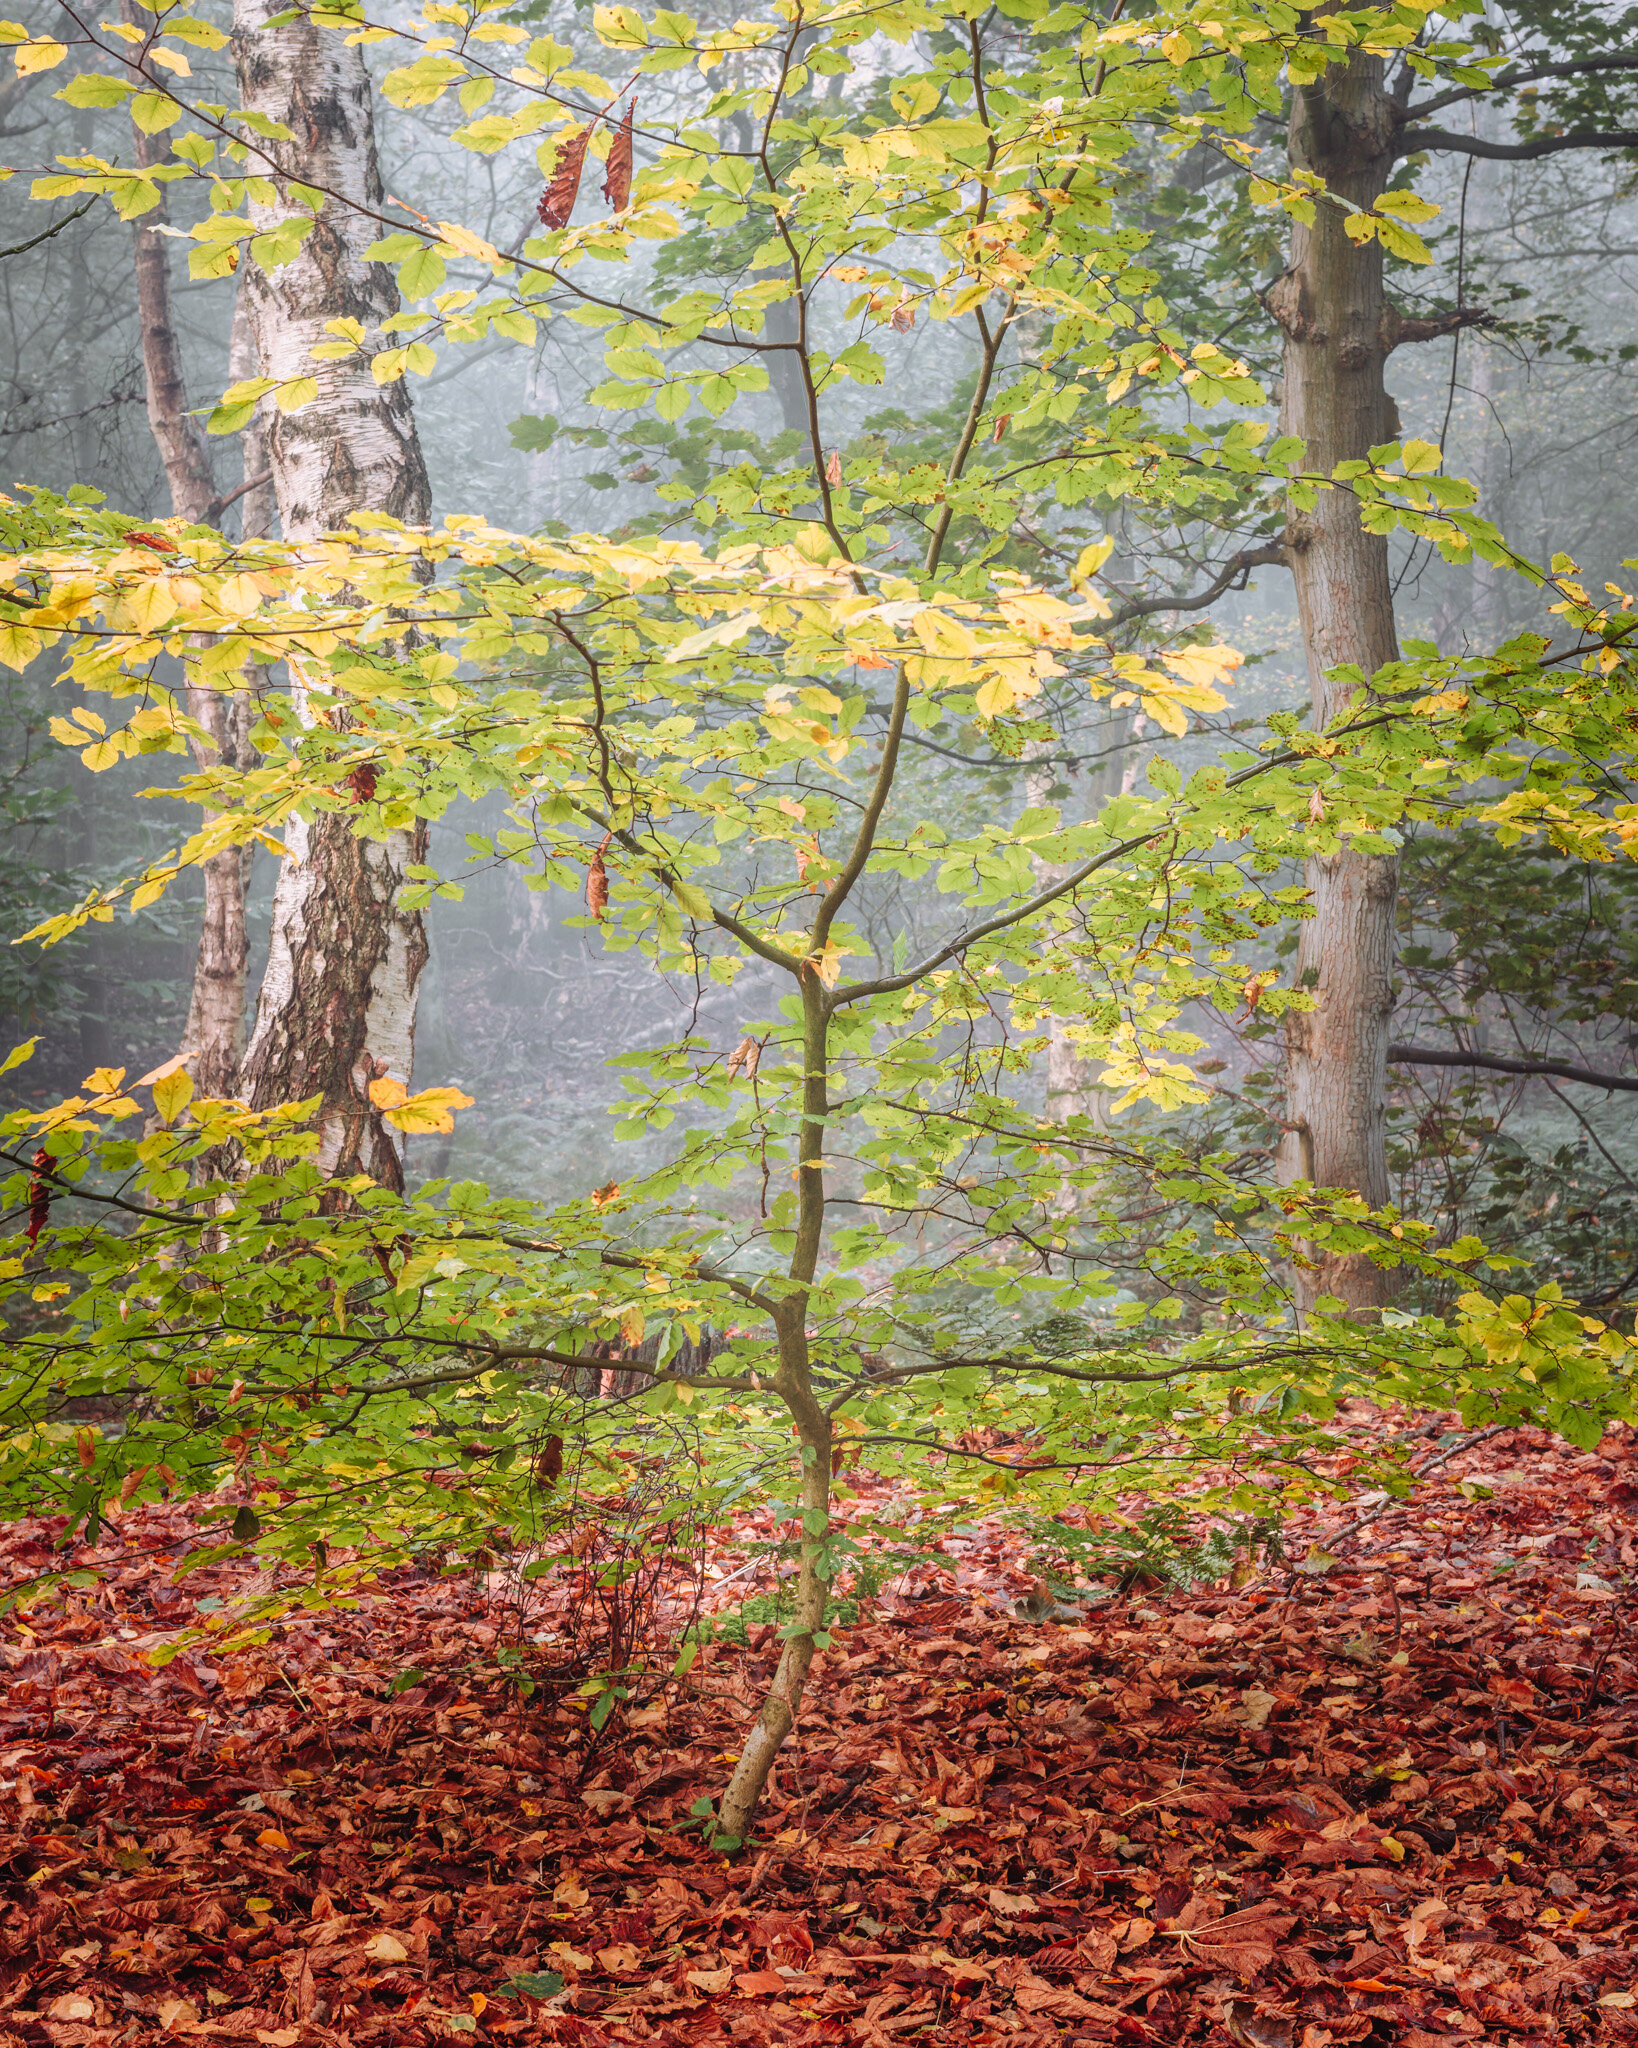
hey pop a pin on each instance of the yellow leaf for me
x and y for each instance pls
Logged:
(173, 1094)
(239, 596)
(1166, 714)
(104, 1081)
(276, 1838)
(995, 697)
(298, 392)
(151, 604)
(103, 755)
(386, 1948)
(388, 1092)
(827, 963)
(44, 56)
(1205, 668)
(468, 243)
(632, 1325)
(173, 1065)
(172, 60)
(1091, 561)
(417, 1115)
(18, 646)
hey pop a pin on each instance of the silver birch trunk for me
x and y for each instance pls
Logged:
(338, 999)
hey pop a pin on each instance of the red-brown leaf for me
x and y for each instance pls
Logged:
(617, 172)
(557, 201)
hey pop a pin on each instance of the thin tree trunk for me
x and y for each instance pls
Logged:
(1071, 1078)
(338, 999)
(794, 1384)
(182, 446)
(1338, 331)
(214, 1036)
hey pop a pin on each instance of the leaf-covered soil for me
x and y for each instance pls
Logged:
(1390, 1802)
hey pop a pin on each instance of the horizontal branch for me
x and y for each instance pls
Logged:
(1403, 327)
(1505, 81)
(1236, 566)
(1497, 1063)
(1447, 140)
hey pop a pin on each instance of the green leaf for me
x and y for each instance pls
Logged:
(421, 273)
(534, 434)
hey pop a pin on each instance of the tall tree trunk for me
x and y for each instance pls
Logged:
(337, 1006)
(214, 1037)
(1338, 331)
(257, 509)
(182, 446)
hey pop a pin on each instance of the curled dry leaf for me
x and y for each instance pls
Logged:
(597, 880)
(903, 317)
(745, 1056)
(617, 172)
(833, 467)
(557, 201)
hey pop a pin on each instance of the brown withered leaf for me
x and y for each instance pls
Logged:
(597, 880)
(557, 201)
(617, 171)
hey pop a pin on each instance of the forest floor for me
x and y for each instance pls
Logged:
(1393, 1803)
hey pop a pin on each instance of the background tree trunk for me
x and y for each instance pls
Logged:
(1338, 332)
(337, 1006)
(214, 1036)
(182, 445)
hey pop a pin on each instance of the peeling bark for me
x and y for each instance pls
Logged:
(354, 447)
(338, 1000)
(1338, 331)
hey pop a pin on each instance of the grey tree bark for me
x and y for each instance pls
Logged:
(338, 999)
(214, 1036)
(1339, 330)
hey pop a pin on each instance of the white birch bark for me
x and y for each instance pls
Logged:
(338, 1000)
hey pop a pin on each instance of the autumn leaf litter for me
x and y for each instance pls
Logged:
(1390, 1803)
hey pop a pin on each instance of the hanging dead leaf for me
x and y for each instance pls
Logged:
(833, 467)
(744, 1056)
(557, 201)
(597, 880)
(617, 172)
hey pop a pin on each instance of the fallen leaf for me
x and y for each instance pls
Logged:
(386, 1948)
(759, 1984)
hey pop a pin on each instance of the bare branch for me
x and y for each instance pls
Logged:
(1414, 139)
(1418, 1056)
